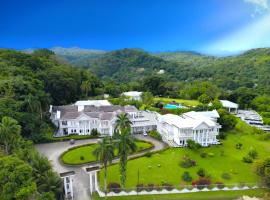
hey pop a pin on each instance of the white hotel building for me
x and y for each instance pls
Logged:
(201, 127)
(83, 116)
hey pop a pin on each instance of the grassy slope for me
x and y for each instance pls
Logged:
(219, 195)
(182, 101)
(215, 166)
(73, 156)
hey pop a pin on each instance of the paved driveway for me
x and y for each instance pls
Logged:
(81, 179)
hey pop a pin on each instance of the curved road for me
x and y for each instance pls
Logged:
(81, 179)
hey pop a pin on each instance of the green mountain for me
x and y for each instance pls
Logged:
(128, 65)
(74, 55)
(250, 69)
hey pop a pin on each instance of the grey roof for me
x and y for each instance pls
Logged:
(106, 116)
(102, 112)
(92, 114)
(130, 109)
(70, 115)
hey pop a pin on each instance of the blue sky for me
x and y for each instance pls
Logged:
(209, 26)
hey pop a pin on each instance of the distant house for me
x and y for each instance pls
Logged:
(230, 106)
(134, 95)
(84, 116)
(200, 127)
(162, 71)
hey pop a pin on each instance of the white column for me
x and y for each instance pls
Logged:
(71, 186)
(207, 137)
(91, 183)
(65, 186)
(96, 183)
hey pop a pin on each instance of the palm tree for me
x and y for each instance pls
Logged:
(86, 87)
(147, 98)
(122, 122)
(33, 105)
(125, 144)
(9, 132)
(105, 154)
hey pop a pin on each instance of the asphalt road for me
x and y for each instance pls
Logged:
(81, 179)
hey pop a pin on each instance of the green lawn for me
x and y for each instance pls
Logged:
(225, 159)
(218, 195)
(182, 101)
(74, 155)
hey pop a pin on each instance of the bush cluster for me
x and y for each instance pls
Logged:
(220, 185)
(203, 155)
(247, 159)
(186, 177)
(155, 134)
(252, 155)
(187, 162)
(201, 182)
(150, 187)
(114, 187)
(226, 176)
(201, 172)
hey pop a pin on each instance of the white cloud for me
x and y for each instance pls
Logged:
(261, 7)
(254, 35)
(262, 4)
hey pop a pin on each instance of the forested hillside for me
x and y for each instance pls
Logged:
(29, 83)
(250, 69)
(128, 65)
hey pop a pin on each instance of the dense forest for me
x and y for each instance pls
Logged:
(250, 69)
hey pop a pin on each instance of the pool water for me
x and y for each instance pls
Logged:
(170, 106)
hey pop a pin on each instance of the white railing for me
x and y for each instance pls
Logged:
(187, 189)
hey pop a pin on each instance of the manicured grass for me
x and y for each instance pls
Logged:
(182, 101)
(74, 155)
(218, 195)
(224, 158)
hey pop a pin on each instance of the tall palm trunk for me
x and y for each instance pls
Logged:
(6, 148)
(105, 179)
(123, 169)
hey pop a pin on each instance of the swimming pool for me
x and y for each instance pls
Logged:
(171, 106)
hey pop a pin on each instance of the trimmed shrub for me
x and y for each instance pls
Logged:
(155, 134)
(94, 132)
(193, 145)
(167, 186)
(140, 187)
(226, 176)
(150, 187)
(201, 183)
(222, 136)
(186, 162)
(239, 146)
(253, 153)
(81, 157)
(186, 177)
(220, 185)
(158, 188)
(203, 155)
(247, 159)
(114, 187)
(201, 172)
(148, 154)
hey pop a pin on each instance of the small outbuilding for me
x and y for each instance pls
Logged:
(134, 95)
(230, 106)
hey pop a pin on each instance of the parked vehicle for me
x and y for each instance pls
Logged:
(72, 141)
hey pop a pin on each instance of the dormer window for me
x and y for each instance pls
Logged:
(64, 123)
